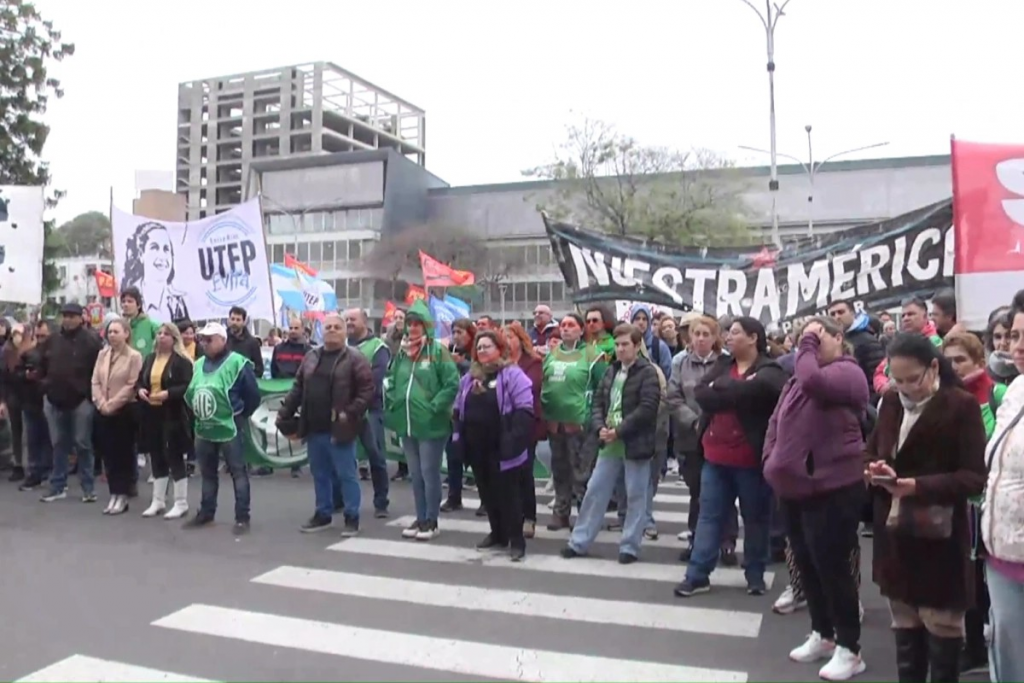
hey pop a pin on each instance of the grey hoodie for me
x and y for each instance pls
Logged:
(687, 372)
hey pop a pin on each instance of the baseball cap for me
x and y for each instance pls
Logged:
(71, 308)
(213, 330)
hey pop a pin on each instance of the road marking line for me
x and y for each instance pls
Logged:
(426, 652)
(583, 566)
(473, 526)
(82, 669)
(664, 498)
(659, 515)
(667, 617)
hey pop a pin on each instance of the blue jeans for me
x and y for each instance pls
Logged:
(328, 459)
(595, 503)
(1005, 657)
(372, 439)
(456, 471)
(719, 488)
(424, 459)
(37, 445)
(71, 429)
(208, 453)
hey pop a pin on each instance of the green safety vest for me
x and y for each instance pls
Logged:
(211, 404)
(370, 347)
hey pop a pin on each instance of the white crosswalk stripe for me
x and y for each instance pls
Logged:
(669, 517)
(526, 590)
(663, 498)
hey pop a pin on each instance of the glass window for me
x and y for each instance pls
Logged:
(327, 257)
(303, 252)
(558, 291)
(315, 254)
(531, 293)
(519, 293)
(328, 221)
(367, 247)
(339, 289)
(376, 218)
(544, 292)
(341, 251)
(355, 289)
(355, 250)
(545, 257)
(280, 224)
(278, 253)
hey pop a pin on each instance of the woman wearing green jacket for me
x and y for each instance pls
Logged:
(419, 392)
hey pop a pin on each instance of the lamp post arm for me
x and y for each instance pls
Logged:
(827, 159)
(764, 22)
(779, 154)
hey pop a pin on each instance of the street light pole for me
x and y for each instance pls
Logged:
(811, 167)
(769, 21)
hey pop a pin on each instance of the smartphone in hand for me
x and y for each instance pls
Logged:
(879, 479)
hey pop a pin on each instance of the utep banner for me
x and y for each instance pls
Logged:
(878, 264)
(988, 198)
(21, 244)
(196, 270)
(267, 446)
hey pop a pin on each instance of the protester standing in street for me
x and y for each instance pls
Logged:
(223, 394)
(241, 340)
(522, 353)
(37, 432)
(67, 364)
(113, 393)
(376, 352)
(11, 390)
(166, 429)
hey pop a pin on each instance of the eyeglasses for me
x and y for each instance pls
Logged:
(594, 321)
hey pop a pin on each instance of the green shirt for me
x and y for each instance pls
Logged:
(615, 449)
(568, 383)
(210, 401)
(144, 331)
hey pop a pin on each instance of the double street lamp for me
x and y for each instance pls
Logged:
(811, 168)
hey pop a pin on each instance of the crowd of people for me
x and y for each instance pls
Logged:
(840, 428)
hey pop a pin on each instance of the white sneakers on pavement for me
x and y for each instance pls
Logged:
(789, 602)
(842, 663)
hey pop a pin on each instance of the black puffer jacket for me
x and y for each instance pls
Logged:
(68, 361)
(641, 398)
(249, 347)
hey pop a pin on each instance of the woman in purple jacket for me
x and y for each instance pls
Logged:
(814, 462)
(493, 432)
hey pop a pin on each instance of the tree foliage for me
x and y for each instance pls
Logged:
(27, 44)
(86, 234)
(609, 181)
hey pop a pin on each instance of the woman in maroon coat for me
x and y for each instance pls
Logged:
(521, 352)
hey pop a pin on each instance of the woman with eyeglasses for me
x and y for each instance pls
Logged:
(571, 372)
(925, 461)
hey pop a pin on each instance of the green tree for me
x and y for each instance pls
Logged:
(608, 181)
(27, 44)
(86, 234)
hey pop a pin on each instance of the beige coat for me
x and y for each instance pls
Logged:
(114, 377)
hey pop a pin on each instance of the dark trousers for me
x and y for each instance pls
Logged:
(209, 453)
(37, 442)
(976, 618)
(456, 471)
(823, 536)
(167, 458)
(500, 493)
(17, 440)
(115, 442)
(527, 487)
(690, 467)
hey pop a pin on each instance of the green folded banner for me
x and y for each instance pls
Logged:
(265, 446)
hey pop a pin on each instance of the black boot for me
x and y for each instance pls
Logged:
(911, 655)
(944, 658)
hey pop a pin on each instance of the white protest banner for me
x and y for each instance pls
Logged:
(196, 270)
(21, 244)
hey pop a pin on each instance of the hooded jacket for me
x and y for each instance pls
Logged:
(814, 443)
(144, 331)
(515, 404)
(419, 391)
(688, 370)
(867, 348)
(657, 350)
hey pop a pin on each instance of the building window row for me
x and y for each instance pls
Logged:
(520, 256)
(330, 255)
(324, 221)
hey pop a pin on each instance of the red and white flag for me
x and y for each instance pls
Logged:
(988, 215)
(437, 274)
(389, 313)
(413, 294)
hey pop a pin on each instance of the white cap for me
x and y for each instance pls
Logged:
(213, 329)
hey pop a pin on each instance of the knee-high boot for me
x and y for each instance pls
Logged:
(911, 655)
(159, 503)
(180, 500)
(944, 658)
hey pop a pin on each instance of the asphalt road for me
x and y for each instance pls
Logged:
(88, 597)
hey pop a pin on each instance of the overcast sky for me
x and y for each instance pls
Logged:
(499, 80)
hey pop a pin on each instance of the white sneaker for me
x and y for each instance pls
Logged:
(551, 504)
(813, 649)
(860, 610)
(428, 532)
(683, 535)
(843, 666)
(411, 530)
(788, 602)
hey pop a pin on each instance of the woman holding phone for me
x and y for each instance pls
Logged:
(925, 460)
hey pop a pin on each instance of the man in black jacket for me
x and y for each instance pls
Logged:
(624, 417)
(287, 357)
(241, 341)
(867, 349)
(67, 364)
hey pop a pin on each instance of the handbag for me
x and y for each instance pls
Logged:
(914, 519)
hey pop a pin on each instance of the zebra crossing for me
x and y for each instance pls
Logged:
(472, 614)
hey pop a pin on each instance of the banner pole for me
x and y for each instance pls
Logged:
(115, 301)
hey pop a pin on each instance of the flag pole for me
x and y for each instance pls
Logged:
(115, 301)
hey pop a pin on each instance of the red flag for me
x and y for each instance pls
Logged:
(413, 293)
(389, 313)
(988, 219)
(437, 274)
(292, 262)
(105, 284)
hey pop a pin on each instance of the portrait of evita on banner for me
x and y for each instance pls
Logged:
(878, 265)
(196, 270)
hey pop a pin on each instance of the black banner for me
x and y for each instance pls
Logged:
(876, 265)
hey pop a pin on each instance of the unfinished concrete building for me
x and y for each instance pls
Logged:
(225, 123)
